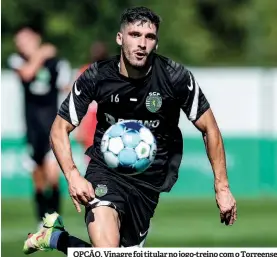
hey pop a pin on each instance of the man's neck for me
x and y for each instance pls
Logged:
(128, 71)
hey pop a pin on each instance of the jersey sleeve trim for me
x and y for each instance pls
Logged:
(72, 108)
(75, 106)
(65, 117)
(204, 108)
(194, 106)
(187, 92)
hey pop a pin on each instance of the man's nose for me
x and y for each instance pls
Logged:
(142, 43)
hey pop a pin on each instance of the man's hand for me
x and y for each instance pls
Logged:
(80, 190)
(227, 205)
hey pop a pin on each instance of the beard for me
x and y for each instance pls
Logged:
(134, 61)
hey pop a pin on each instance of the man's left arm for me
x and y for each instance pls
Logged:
(197, 108)
(216, 154)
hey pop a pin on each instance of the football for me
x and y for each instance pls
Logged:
(128, 147)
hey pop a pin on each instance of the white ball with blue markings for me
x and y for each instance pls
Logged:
(129, 147)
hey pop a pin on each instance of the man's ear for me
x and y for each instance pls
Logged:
(157, 44)
(119, 38)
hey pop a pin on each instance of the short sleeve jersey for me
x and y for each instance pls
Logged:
(154, 100)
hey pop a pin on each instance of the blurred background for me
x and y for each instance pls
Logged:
(230, 46)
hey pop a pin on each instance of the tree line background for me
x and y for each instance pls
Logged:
(194, 32)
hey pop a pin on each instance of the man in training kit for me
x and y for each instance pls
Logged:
(120, 215)
(42, 74)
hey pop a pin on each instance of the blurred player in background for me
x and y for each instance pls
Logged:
(119, 207)
(42, 76)
(85, 132)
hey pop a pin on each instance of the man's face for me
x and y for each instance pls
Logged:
(138, 41)
(27, 42)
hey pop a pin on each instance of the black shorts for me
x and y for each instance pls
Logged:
(134, 205)
(39, 121)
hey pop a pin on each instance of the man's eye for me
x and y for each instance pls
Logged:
(135, 34)
(151, 37)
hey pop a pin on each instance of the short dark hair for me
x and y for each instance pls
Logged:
(143, 14)
(28, 27)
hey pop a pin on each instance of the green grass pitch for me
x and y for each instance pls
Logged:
(177, 223)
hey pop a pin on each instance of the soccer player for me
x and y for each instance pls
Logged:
(85, 132)
(119, 207)
(42, 75)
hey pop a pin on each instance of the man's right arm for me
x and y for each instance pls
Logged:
(80, 190)
(60, 143)
(71, 112)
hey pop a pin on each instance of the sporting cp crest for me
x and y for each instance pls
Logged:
(153, 102)
(101, 190)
